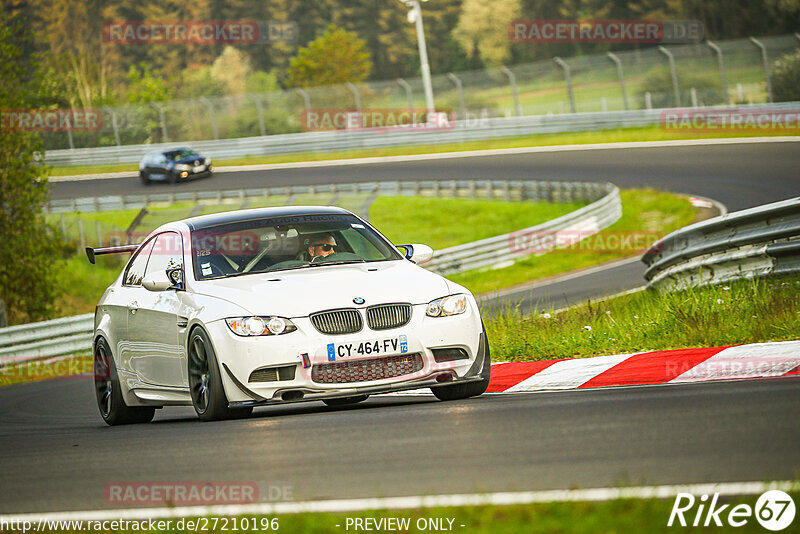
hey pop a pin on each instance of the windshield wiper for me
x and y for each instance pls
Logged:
(339, 262)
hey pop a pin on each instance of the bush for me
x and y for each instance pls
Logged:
(659, 83)
(786, 78)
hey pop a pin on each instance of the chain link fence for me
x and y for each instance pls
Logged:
(704, 74)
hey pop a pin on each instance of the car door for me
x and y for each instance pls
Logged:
(156, 356)
(157, 165)
(125, 303)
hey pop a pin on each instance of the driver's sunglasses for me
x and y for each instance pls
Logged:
(325, 246)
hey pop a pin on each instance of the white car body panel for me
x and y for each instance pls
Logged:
(149, 340)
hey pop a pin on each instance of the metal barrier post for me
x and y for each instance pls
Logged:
(211, 116)
(513, 81)
(409, 94)
(674, 73)
(69, 136)
(356, 95)
(567, 76)
(113, 123)
(460, 89)
(163, 121)
(723, 79)
(306, 98)
(765, 60)
(613, 57)
(262, 130)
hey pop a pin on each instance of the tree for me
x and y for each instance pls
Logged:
(231, 68)
(28, 245)
(337, 56)
(786, 78)
(144, 86)
(483, 28)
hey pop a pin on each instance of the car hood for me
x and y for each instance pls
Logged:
(298, 293)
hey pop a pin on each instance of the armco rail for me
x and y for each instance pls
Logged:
(34, 341)
(73, 334)
(462, 131)
(509, 190)
(500, 250)
(755, 242)
(604, 209)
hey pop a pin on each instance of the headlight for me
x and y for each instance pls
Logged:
(452, 305)
(182, 167)
(260, 326)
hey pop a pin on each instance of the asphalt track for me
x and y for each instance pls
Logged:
(56, 454)
(738, 175)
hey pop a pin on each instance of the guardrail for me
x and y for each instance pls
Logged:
(34, 341)
(461, 132)
(509, 190)
(74, 334)
(756, 242)
(500, 250)
(604, 209)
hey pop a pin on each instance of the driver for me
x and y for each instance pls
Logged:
(321, 245)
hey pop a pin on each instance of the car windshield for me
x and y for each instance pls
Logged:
(286, 243)
(181, 153)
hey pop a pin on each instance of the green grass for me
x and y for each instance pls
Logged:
(747, 311)
(444, 222)
(83, 284)
(646, 213)
(409, 219)
(653, 133)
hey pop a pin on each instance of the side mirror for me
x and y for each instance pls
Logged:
(161, 280)
(417, 253)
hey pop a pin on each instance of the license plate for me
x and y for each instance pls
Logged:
(200, 168)
(375, 347)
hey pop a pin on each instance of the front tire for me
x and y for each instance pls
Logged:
(205, 382)
(107, 390)
(470, 389)
(145, 178)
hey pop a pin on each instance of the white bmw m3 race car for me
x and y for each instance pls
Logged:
(229, 311)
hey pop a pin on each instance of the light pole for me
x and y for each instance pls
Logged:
(415, 16)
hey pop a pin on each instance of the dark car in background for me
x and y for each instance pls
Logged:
(173, 165)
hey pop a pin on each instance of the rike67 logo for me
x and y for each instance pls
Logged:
(774, 510)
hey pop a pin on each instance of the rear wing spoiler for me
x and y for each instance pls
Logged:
(92, 252)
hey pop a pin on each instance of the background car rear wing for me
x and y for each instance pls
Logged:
(92, 252)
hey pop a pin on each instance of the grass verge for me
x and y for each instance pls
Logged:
(652, 133)
(746, 311)
(646, 215)
(444, 222)
(439, 222)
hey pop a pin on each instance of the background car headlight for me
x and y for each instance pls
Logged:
(260, 326)
(183, 167)
(452, 305)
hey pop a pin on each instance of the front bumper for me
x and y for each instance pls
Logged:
(240, 356)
